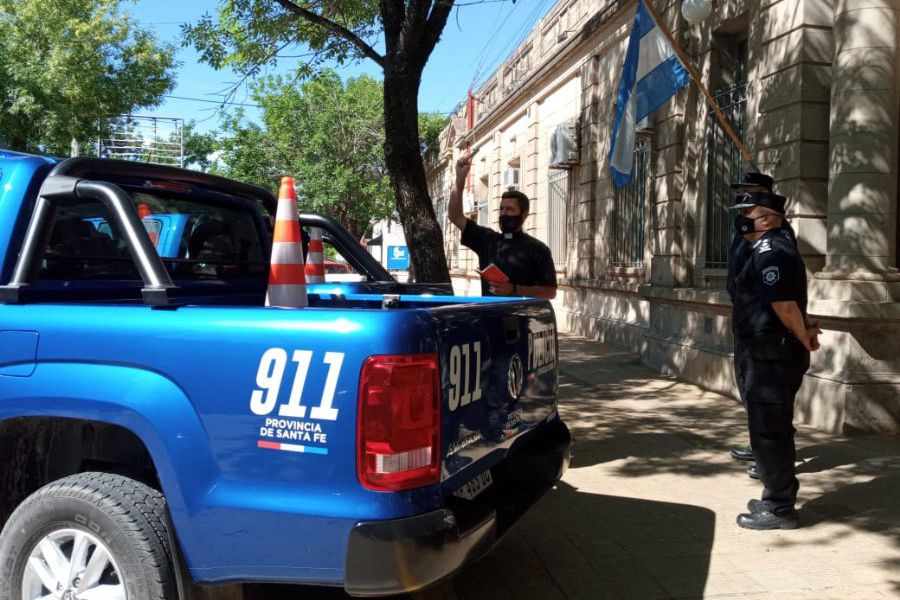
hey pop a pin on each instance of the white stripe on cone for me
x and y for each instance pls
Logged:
(286, 296)
(287, 210)
(286, 253)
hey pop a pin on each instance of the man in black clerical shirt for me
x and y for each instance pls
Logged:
(525, 260)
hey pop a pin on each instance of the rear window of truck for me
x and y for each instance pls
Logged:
(195, 240)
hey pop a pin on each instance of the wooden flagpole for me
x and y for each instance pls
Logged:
(695, 76)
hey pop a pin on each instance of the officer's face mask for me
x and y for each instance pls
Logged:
(509, 223)
(745, 225)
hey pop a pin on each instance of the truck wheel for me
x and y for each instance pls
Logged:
(90, 536)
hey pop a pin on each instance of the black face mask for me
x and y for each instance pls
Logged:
(509, 223)
(744, 225)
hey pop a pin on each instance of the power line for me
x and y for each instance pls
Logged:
(220, 102)
(479, 58)
(527, 26)
(474, 2)
(517, 37)
(248, 105)
(490, 43)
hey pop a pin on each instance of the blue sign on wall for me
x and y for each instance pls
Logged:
(398, 258)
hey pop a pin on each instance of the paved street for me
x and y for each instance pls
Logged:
(647, 509)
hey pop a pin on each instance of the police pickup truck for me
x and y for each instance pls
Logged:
(163, 433)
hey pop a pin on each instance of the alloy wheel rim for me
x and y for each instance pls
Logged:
(72, 564)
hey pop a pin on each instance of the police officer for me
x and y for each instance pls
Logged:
(773, 340)
(526, 261)
(738, 252)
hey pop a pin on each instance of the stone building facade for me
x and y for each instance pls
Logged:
(813, 88)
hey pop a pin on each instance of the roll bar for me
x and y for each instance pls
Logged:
(58, 190)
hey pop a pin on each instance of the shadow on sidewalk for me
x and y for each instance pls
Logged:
(651, 423)
(861, 481)
(645, 425)
(593, 546)
(577, 545)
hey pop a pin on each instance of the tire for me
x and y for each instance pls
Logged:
(81, 516)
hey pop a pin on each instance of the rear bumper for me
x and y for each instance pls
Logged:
(405, 555)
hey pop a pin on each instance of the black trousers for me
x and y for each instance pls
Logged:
(768, 383)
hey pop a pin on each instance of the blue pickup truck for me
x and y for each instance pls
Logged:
(163, 433)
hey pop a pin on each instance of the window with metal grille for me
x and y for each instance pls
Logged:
(483, 212)
(724, 161)
(558, 199)
(483, 202)
(628, 213)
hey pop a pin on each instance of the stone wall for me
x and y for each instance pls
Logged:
(822, 112)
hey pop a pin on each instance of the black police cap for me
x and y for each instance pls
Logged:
(766, 199)
(753, 178)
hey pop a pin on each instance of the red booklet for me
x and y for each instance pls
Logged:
(493, 274)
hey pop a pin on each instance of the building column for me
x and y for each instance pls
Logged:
(529, 171)
(584, 221)
(670, 264)
(855, 383)
(792, 48)
(496, 176)
(862, 189)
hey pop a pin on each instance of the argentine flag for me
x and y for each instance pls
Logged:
(652, 74)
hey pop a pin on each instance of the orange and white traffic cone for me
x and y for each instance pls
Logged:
(287, 281)
(315, 257)
(145, 213)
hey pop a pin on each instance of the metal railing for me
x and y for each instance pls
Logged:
(629, 210)
(558, 198)
(724, 166)
(135, 138)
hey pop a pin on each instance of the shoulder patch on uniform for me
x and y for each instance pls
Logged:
(771, 275)
(764, 245)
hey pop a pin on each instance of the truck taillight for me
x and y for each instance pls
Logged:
(398, 432)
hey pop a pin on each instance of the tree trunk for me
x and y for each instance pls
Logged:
(407, 174)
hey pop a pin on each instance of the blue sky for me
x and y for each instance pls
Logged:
(478, 36)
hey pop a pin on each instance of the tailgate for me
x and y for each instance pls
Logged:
(498, 380)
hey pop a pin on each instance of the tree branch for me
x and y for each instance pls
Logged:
(334, 28)
(393, 15)
(440, 12)
(416, 13)
(251, 72)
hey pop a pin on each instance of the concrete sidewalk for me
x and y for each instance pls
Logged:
(648, 507)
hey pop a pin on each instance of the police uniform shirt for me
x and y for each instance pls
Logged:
(738, 253)
(773, 273)
(524, 259)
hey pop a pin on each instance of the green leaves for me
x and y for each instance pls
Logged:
(399, 36)
(248, 35)
(68, 64)
(430, 127)
(328, 135)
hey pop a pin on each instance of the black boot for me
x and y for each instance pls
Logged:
(756, 506)
(742, 453)
(752, 473)
(765, 519)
